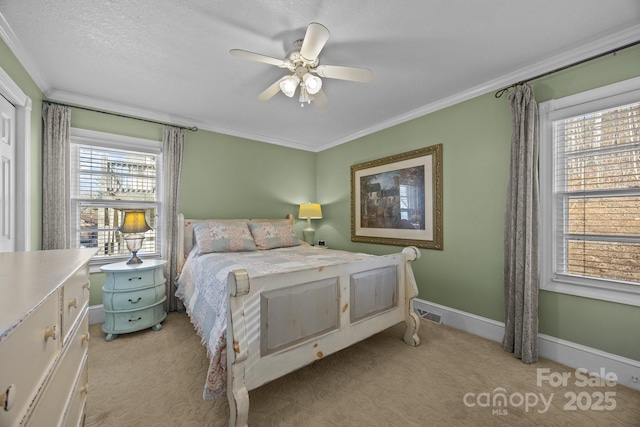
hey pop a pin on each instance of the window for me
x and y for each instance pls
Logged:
(590, 193)
(109, 174)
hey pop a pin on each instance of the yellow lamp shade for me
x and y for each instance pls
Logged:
(134, 222)
(310, 211)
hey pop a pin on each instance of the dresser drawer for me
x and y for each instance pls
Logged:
(75, 296)
(57, 395)
(75, 412)
(132, 300)
(134, 320)
(27, 356)
(133, 279)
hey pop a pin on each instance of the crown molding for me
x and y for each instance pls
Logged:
(573, 56)
(134, 112)
(25, 59)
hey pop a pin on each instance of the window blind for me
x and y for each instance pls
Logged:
(597, 194)
(104, 182)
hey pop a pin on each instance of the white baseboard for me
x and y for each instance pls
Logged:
(552, 348)
(96, 314)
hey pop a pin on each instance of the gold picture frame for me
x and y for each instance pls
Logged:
(397, 200)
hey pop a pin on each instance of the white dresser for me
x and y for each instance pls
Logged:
(44, 334)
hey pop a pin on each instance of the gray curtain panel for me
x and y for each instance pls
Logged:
(172, 148)
(521, 269)
(55, 176)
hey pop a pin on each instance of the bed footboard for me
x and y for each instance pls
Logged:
(278, 325)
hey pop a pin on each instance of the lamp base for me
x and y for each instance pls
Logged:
(309, 235)
(134, 244)
(134, 259)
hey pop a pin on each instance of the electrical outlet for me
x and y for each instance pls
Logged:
(635, 379)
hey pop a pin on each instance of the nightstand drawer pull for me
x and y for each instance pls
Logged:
(135, 278)
(135, 320)
(136, 301)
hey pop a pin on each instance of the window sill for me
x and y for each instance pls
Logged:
(621, 293)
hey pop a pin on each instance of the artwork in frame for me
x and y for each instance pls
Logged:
(397, 200)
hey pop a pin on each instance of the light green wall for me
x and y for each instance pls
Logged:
(467, 274)
(473, 157)
(226, 176)
(229, 177)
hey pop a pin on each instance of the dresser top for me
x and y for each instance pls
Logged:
(28, 278)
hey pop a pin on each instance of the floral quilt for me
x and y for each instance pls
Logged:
(202, 288)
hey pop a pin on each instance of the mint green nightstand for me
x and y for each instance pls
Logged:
(133, 296)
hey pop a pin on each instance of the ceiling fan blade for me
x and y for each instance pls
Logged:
(321, 101)
(314, 40)
(258, 57)
(354, 74)
(269, 92)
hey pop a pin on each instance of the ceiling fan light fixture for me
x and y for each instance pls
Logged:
(305, 70)
(305, 96)
(289, 85)
(312, 83)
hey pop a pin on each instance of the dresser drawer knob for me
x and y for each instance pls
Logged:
(73, 303)
(136, 301)
(87, 285)
(86, 337)
(135, 278)
(135, 320)
(50, 333)
(8, 397)
(84, 389)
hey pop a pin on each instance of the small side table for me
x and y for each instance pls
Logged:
(133, 296)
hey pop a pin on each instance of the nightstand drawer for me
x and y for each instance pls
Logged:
(26, 358)
(121, 322)
(132, 300)
(131, 280)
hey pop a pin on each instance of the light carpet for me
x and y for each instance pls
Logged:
(453, 378)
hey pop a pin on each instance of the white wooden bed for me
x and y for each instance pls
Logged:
(278, 323)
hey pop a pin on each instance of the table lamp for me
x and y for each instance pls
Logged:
(309, 211)
(134, 224)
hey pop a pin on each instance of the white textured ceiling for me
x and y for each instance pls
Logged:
(168, 60)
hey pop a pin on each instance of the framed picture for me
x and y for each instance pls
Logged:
(397, 200)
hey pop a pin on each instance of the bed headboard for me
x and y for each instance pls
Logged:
(185, 232)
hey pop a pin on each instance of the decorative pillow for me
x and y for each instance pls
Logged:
(271, 235)
(222, 237)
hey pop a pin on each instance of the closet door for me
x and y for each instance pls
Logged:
(7, 175)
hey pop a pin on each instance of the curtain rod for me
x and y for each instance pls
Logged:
(192, 128)
(501, 92)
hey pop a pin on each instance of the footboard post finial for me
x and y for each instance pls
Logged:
(412, 320)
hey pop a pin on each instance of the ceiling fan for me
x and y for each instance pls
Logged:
(302, 61)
